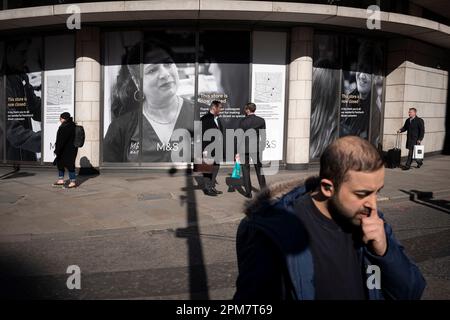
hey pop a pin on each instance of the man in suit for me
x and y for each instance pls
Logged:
(253, 149)
(211, 120)
(416, 130)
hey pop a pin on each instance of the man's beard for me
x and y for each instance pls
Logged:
(347, 221)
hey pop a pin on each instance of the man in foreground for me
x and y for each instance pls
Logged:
(325, 239)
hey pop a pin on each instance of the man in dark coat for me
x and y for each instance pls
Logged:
(254, 128)
(65, 150)
(416, 130)
(209, 121)
(324, 239)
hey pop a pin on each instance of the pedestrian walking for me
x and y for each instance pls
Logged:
(252, 122)
(212, 121)
(416, 130)
(65, 150)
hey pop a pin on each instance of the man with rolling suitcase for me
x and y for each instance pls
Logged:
(416, 130)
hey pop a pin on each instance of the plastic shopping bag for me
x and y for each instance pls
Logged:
(418, 152)
(236, 171)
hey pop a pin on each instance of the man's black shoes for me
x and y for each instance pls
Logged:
(209, 192)
(419, 165)
(212, 192)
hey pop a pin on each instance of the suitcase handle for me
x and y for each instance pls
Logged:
(397, 141)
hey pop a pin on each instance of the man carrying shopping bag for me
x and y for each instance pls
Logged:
(237, 169)
(247, 148)
(416, 130)
(234, 181)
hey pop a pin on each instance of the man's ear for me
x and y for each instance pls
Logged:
(327, 188)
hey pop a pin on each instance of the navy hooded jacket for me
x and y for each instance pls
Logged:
(275, 262)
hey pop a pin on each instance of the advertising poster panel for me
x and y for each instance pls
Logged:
(224, 73)
(59, 88)
(325, 97)
(362, 89)
(149, 93)
(23, 69)
(268, 88)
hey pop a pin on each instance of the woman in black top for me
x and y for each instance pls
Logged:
(155, 100)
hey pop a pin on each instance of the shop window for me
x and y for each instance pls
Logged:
(347, 91)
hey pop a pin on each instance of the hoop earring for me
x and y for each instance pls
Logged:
(139, 97)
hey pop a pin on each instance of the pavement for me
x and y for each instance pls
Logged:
(118, 201)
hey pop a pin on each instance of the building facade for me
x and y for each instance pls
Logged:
(138, 74)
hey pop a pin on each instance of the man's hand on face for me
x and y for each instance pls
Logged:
(373, 233)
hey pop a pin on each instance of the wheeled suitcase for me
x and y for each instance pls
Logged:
(394, 154)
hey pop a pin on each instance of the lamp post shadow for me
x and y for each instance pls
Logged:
(198, 280)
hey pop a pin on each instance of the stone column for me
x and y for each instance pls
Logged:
(87, 99)
(299, 108)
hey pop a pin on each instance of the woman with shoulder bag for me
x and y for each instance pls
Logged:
(65, 150)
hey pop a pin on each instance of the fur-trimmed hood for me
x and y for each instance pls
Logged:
(279, 195)
(270, 214)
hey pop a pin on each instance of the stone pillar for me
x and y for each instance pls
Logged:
(87, 98)
(299, 108)
(413, 80)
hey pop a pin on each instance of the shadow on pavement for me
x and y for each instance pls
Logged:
(237, 185)
(198, 281)
(200, 183)
(16, 174)
(83, 178)
(86, 172)
(426, 198)
(16, 281)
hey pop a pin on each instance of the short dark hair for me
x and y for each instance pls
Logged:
(215, 103)
(65, 115)
(348, 153)
(415, 110)
(250, 107)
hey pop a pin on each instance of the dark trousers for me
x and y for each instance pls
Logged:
(246, 172)
(210, 178)
(70, 168)
(410, 155)
(61, 166)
